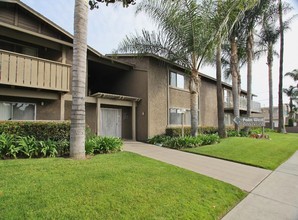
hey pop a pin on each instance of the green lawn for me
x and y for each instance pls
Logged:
(268, 154)
(115, 186)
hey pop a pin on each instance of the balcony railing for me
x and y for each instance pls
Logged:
(255, 106)
(27, 71)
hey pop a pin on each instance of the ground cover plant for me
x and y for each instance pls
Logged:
(110, 186)
(265, 153)
(13, 146)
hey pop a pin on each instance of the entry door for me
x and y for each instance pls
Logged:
(111, 122)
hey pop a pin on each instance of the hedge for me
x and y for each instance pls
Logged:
(45, 130)
(184, 142)
(177, 131)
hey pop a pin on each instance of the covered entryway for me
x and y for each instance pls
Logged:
(116, 115)
(111, 122)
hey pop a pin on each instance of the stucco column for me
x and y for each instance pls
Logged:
(98, 116)
(62, 107)
(134, 119)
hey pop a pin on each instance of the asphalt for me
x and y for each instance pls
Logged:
(273, 195)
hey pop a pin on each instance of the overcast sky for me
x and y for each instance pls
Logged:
(109, 25)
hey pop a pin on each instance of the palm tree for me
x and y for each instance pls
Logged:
(183, 37)
(251, 18)
(292, 93)
(77, 130)
(269, 35)
(281, 124)
(293, 75)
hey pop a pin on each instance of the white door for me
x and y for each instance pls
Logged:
(111, 122)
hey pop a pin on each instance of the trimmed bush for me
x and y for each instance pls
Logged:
(177, 131)
(158, 139)
(55, 131)
(184, 142)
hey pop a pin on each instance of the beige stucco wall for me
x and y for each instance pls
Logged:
(208, 104)
(50, 110)
(135, 83)
(157, 96)
(91, 119)
(179, 98)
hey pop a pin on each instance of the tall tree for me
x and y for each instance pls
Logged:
(183, 37)
(77, 130)
(292, 93)
(293, 75)
(281, 124)
(219, 89)
(268, 37)
(251, 18)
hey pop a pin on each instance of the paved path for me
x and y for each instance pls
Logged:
(242, 176)
(276, 198)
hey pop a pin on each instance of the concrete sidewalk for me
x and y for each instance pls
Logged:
(275, 198)
(242, 176)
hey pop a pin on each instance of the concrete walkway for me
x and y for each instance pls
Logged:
(275, 198)
(242, 176)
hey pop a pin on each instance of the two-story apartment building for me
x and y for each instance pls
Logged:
(128, 97)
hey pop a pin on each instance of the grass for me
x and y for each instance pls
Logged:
(115, 186)
(268, 154)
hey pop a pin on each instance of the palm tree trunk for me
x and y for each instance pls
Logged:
(219, 92)
(194, 87)
(249, 51)
(235, 81)
(270, 63)
(77, 131)
(281, 124)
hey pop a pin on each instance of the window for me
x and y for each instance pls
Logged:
(176, 116)
(17, 111)
(176, 80)
(228, 98)
(228, 119)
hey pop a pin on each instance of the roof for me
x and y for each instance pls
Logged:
(171, 63)
(117, 97)
(58, 28)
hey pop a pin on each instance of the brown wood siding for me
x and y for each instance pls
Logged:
(27, 71)
(7, 14)
(27, 22)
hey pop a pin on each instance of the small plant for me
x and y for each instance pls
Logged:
(62, 147)
(28, 146)
(8, 146)
(90, 145)
(103, 145)
(48, 148)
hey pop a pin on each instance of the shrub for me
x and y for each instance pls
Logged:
(291, 122)
(56, 131)
(158, 139)
(184, 142)
(102, 145)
